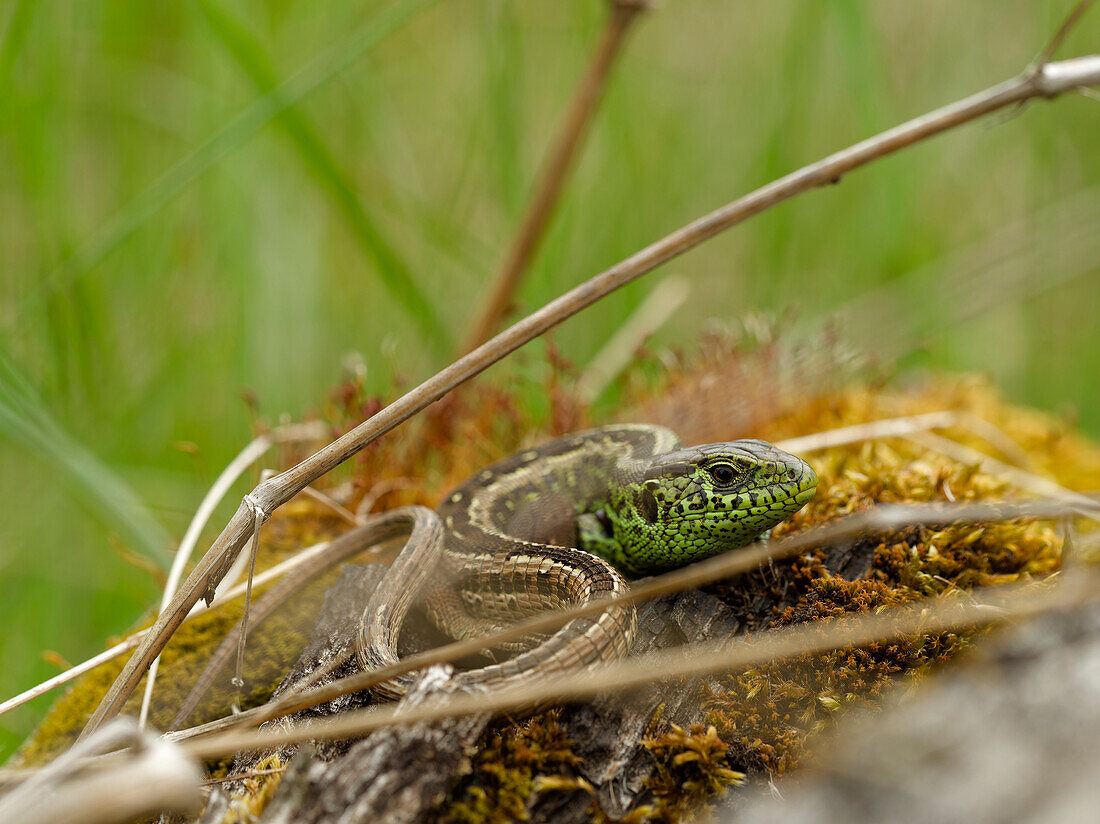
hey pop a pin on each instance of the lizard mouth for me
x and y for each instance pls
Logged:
(807, 486)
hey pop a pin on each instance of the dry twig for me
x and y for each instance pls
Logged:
(713, 569)
(559, 161)
(1047, 81)
(238, 466)
(981, 607)
(984, 608)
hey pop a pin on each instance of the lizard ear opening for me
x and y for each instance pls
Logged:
(647, 505)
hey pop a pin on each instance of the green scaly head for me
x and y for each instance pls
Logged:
(690, 504)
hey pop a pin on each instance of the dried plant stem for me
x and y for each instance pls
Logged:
(1063, 31)
(910, 426)
(971, 609)
(615, 355)
(905, 427)
(304, 557)
(713, 569)
(364, 540)
(558, 163)
(914, 428)
(1047, 81)
(892, 516)
(337, 507)
(892, 427)
(84, 785)
(1035, 484)
(210, 782)
(315, 431)
(981, 608)
(886, 428)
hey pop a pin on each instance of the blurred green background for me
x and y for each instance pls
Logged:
(167, 239)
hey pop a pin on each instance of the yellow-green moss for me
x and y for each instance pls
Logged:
(272, 648)
(513, 761)
(692, 767)
(765, 716)
(761, 719)
(769, 712)
(247, 806)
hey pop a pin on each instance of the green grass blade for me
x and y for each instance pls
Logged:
(25, 421)
(15, 37)
(396, 276)
(231, 137)
(503, 53)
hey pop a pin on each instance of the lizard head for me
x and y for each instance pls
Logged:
(693, 503)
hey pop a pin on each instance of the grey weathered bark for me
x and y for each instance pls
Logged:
(333, 637)
(400, 774)
(607, 732)
(395, 775)
(1013, 737)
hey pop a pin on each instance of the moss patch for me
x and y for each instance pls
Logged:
(512, 762)
(759, 720)
(692, 767)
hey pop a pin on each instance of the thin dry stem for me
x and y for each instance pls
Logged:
(914, 427)
(660, 304)
(996, 604)
(559, 161)
(1051, 80)
(303, 557)
(210, 782)
(1036, 484)
(1063, 31)
(370, 498)
(351, 543)
(985, 607)
(909, 426)
(337, 507)
(84, 786)
(886, 428)
(314, 431)
(713, 569)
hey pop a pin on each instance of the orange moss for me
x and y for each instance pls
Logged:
(760, 719)
(692, 766)
(512, 762)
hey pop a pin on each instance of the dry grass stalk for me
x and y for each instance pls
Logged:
(559, 160)
(82, 785)
(1046, 81)
(713, 569)
(977, 608)
(313, 560)
(984, 608)
(235, 469)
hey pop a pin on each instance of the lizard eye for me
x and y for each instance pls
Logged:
(723, 474)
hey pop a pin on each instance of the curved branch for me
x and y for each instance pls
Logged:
(1046, 81)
